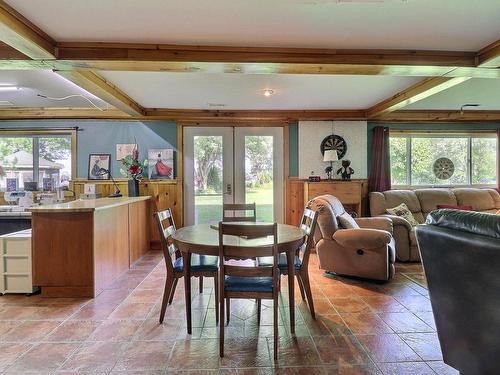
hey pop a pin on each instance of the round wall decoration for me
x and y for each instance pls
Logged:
(443, 168)
(334, 142)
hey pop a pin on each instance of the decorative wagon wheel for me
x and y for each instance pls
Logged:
(443, 168)
(334, 142)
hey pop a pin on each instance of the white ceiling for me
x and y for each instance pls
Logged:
(43, 82)
(245, 91)
(411, 24)
(474, 91)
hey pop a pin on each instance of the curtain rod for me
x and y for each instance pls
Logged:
(41, 129)
(437, 132)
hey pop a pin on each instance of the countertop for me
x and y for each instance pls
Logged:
(87, 205)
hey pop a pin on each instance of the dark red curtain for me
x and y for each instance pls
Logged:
(498, 160)
(380, 171)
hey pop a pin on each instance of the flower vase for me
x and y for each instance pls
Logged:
(133, 188)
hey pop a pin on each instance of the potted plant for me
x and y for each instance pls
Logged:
(134, 170)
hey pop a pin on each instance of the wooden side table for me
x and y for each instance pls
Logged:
(348, 192)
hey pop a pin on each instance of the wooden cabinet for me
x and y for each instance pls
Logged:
(350, 193)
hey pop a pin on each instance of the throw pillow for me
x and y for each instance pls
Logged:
(403, 211)
(453, 207)
(347, 222)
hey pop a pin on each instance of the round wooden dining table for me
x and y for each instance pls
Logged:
(203, 239)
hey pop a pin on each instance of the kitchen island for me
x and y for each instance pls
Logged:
(82, 247)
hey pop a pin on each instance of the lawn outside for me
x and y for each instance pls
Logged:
(208, 208)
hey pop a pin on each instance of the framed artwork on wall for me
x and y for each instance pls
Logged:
(99, 166)
(161, 164)
(124, 149)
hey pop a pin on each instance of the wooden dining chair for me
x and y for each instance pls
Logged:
(201, 265)
(257, 282)
(234, 208)
(301, 259)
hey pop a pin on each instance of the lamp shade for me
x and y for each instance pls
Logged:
(330, 155)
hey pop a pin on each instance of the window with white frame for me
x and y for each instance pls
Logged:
(470, 159)
(45, 157)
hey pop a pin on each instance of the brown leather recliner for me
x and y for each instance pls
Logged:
(367, 252)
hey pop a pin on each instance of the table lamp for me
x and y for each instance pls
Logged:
(330, 156)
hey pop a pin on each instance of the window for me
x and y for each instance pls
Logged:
(413, 157)
(46, 158)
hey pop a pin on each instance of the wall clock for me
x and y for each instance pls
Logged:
(443, 168)
(334, 142)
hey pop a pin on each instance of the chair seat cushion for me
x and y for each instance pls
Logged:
(248, 284)
(199, 263)
(282, 263)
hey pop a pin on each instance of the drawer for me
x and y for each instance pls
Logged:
(18, 284)
(17, 264)
(16, 246)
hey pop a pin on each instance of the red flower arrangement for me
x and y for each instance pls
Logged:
(132, 167)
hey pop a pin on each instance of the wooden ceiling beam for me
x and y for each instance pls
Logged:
(19, 33)
(413, 94)
(98, 86)
(422, 116)
(27, 113)
(218, 117)
(489, 56)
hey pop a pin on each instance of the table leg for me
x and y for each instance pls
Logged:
(291, 289)
(186, 258)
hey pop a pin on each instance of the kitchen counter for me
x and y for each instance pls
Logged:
(88, 205)
(82, 247)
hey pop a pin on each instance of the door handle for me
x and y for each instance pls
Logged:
(229, 190)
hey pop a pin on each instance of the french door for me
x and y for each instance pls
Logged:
(232, 165)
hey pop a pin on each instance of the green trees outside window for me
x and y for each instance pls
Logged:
(412, 158)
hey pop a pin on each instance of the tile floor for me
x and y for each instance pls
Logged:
(361, 328)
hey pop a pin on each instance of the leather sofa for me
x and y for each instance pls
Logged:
(366, 252)
(461, 258)
(421, 202)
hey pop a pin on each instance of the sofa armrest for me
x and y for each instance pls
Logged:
(362, 238)
(398, 220)
(382, 223)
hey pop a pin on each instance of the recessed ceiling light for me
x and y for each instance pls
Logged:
(268, 92)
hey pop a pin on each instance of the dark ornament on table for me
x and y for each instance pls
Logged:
(334, 142)
(328, 171)
(345, 171)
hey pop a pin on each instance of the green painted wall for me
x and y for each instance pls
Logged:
(101, 136)
(293, 147)
(430, 126)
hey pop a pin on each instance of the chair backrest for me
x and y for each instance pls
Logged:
(328, 207)
(248, 252)
(237, 208)
(308, 225)
(166, 228)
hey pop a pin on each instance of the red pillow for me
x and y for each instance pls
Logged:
(463, 208)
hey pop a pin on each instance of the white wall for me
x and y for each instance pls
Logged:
(311, 133)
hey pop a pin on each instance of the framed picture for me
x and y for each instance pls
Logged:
(124, 149)
(99, 166)
(161, 164)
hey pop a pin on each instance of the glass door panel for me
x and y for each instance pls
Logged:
(259, 174)
(258, 170)
(207, 173)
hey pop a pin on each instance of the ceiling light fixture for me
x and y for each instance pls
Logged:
(72, 96)
(468, 106)
(268, 92)
(9, 88)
